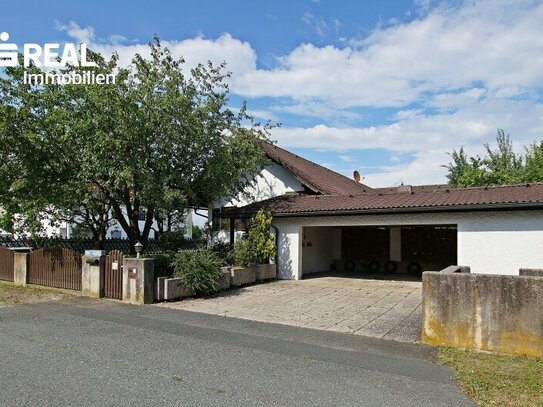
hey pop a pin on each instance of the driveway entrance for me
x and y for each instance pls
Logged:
(376, 308)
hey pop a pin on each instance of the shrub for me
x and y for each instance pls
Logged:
(222, 250)
(241, 255)
(260, 240)
(172, 241)
(199, 271)
(163, 264)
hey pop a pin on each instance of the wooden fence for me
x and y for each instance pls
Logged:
(6, 264)
(57, 267)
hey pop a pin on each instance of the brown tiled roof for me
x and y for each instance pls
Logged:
(424, 200)
(316, 177)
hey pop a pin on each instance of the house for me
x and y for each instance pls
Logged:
(67, 230)
(325, 221)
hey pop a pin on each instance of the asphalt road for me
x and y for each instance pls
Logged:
(92, 353)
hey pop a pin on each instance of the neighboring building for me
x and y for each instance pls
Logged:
(327, 221)
(115, 231)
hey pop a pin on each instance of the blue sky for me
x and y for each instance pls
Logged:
(384, 87)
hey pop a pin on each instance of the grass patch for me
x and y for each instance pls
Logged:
(14, 294)
(497, 380)
(177, 378)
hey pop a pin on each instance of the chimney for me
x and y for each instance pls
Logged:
(405, 188)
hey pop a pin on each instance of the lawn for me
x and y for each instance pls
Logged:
(11, 294)
(497, 380)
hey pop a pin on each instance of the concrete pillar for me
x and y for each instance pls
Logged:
(92, 273)
(138, 281)
(20, 268)
(289, 252)
(396, 243)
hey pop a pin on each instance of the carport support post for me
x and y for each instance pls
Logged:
(396, 243)
(139, 281)
(92, 273)
(232, 232)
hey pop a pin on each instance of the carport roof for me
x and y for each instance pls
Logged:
(430, 199)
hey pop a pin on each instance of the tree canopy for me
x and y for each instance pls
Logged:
(161, 139)
(499, 166)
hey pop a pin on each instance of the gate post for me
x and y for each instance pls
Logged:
(20, 268)
(92, 273)
(139, 281)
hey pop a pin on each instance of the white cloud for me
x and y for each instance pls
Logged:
(447, 49)
(347, 158)
(317, 109)
(81, 34)
(425, 169)
(428, 137)
(239, 55)
(477, 64)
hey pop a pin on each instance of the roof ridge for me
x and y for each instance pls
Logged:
(449, 188)
(486, 187)
(363, 187)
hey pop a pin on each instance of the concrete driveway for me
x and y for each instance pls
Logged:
(375, 308)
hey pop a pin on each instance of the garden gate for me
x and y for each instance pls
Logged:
(113, 275)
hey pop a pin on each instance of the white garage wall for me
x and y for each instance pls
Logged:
(501, 242)
(498, 242)
(317, 249)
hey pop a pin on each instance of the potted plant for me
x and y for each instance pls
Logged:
(195, 273)
(244, 269)
(255, 252)
(262, 245)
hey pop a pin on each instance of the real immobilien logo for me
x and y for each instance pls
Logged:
(52, 55)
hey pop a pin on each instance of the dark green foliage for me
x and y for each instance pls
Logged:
(162, 138)
(241, 254)
(197, 233)
(172, 241)
(164, 264)
(259, 247)
(223, 251)
(498, 166)
(199, 271)
(260, 240)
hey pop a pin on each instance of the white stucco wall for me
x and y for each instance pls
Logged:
(498, 242)
(272, 181)
(289, 250)
(317, 249)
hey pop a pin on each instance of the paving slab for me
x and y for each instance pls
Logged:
(367, 307)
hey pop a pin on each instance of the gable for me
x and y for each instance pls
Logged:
(272, 181)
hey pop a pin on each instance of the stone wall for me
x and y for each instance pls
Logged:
(483, 311)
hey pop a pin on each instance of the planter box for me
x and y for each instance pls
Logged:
(242, 275)
(224, 282)
(160, 287)
(173, 289)
(266, 271)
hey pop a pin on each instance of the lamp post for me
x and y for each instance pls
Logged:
(139, 249)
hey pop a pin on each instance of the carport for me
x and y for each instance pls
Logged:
(378, 250)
